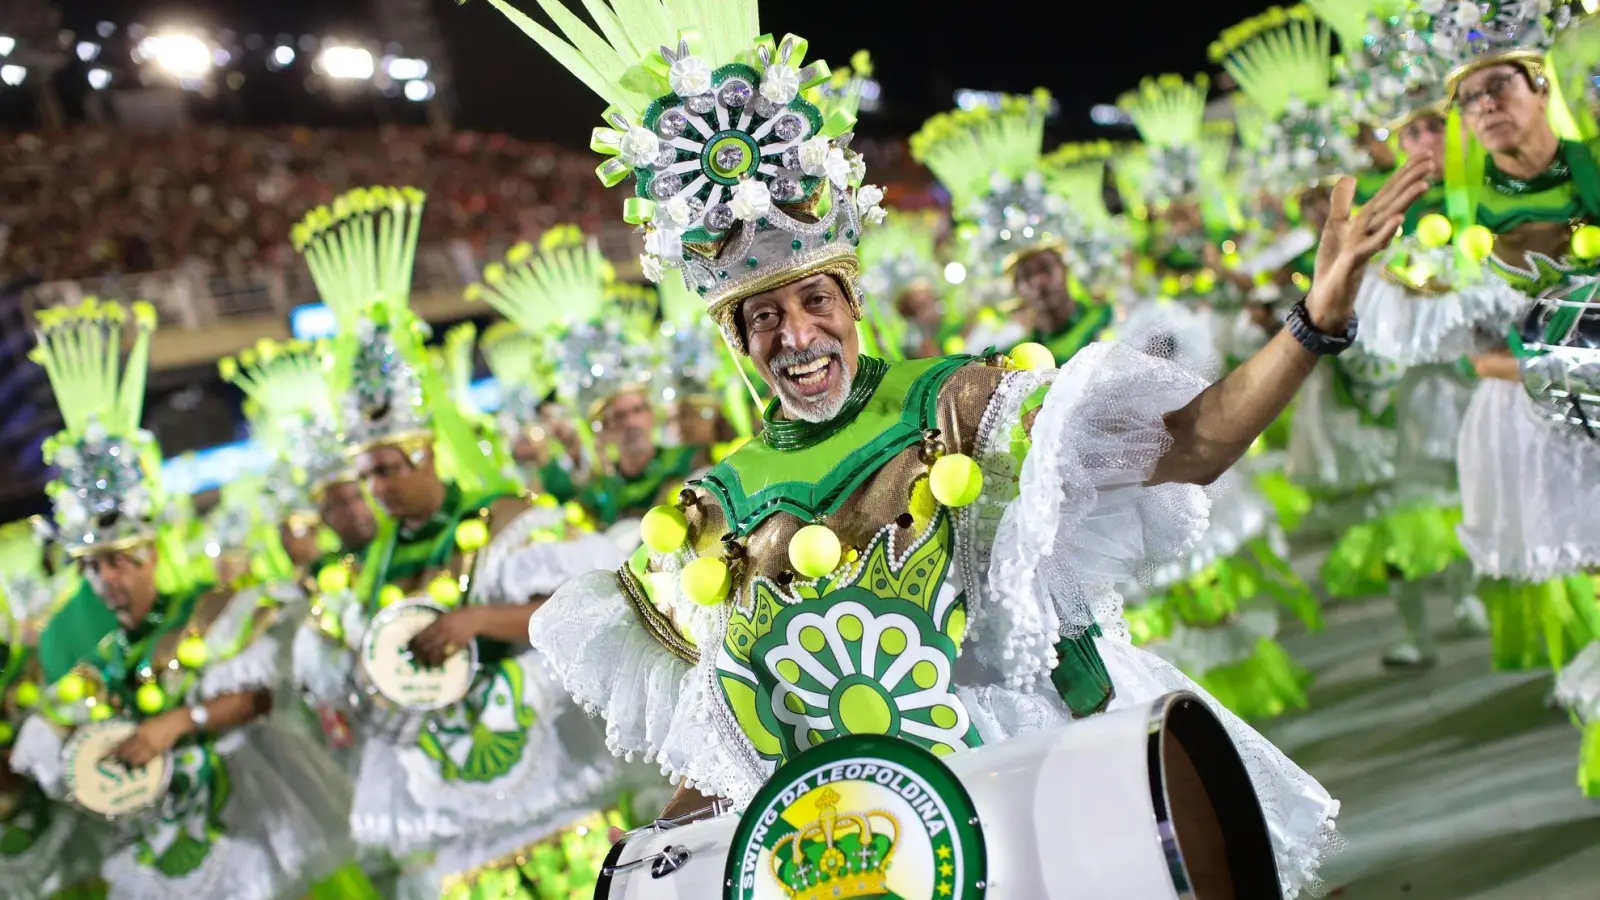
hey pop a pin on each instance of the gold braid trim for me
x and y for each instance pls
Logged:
(655, 622)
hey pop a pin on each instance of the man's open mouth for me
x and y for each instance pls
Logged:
(811, 378)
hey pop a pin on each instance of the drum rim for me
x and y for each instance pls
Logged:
(390, 612)
(72, 795)
(1157, 717)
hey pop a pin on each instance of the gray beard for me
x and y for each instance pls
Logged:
(817, 409)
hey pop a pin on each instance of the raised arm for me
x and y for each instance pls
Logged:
(1214, 430)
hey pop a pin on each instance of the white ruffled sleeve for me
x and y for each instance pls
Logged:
(36, 753)
(241, 659)
(1078, 520)
(321, 667)
(657, 705)
(516, 568)
(1414, 329)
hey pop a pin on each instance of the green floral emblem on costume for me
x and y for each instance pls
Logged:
(1367, 384)
(23, 818)
(484, 736)
(870, 652)
(191, 813)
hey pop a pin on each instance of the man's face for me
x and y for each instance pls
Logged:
(628, 421)
(802, 339)
(298, 535)
(125, 581)
(1425, 134)
(345, 510)
(406, 490)
(1501, 107)
(1040, 279)
(919, 303)
(697, 424)
(1315, 207)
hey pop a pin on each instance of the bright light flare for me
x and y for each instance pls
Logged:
(350, 63)
(419, 91)
(13, 75)
(99, 79)
(403, 68)
(955, 273)
(183, 56)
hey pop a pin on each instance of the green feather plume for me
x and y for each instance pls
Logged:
(966, 148)
(80, 349)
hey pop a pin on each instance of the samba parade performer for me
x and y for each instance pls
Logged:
(158, 704)
(1529, 465)
(47, 849)
(900, 279)
(476, 771)
(875, 488)
(1018, 234)
(605, 365)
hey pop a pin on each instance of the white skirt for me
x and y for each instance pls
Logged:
(1530, 489)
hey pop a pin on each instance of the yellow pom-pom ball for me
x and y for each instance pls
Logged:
(150, 698)
(1433, 230)
(546, 501)
(333, 580)
(7, 733)
(192, 652)
(1586, 242)
(814, 551)
(706, 581)
(663, 529)
(27, 695)
(100, 712)
(1477, 242)
(444, 591)
(1170, 286)
(459, 891)
(955, 479)
(472, 535)
(1032, 356)
(390, 595)
(331, 625)
(72, 687)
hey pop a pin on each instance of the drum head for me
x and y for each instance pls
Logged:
(392, 671)
(1213, 832)
(103, 785)
(859, 816)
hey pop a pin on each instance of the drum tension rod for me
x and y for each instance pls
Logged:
(662, 864)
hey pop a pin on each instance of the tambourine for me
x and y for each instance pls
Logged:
(394, 693)
(1147, 803)
(99, 784)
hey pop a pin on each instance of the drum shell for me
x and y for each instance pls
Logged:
(1077, 812)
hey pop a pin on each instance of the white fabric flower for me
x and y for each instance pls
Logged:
(814, 155)
(652, 267)
(1468, 15)
(751, 200)
(837, 168)
(874, 215)
(1033, 181)
(868, 196)
(780, 83)
(677, 211)
(639, 147)
(998, 182)
(663, 242)
(690, 76)
(858, 167)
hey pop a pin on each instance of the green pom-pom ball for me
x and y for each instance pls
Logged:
(706, 581)
(150, 698)
(1586, 242)
(27, 695)
(814, 551)
(955, 480)
(192, 652)
(1477, 242)
(1433, 230)
(444, 591)
(1032, 356)
(333, 580)
(664, 529)
(100, 712)
(71, 688)
(390, 595)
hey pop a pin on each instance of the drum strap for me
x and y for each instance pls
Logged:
(1080, 676)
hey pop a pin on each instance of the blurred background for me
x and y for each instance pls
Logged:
(161, 151)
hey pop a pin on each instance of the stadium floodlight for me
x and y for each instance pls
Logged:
(7, 44)
(1108, 114)
(99, 78)
(13, 75)
(180, 54)
(955, 273)
(349, 63)
(88, 50)
(402, 68)
(419, 91)
(283, 54)
(105, 29)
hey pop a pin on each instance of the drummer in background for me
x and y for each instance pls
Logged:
(1528, 484)
(742, 623)
(191, 663)
(507, 784)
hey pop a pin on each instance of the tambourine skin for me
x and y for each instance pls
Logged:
(1146, 803)
(104, 788)
(392, 701)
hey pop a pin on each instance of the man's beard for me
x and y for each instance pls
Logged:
(819, 408)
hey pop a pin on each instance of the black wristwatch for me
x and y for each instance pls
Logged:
(1314, 339)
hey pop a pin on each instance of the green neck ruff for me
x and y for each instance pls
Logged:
(797, 434)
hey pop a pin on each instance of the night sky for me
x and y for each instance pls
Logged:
(1085, 53)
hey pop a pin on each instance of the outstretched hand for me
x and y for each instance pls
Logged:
(1350, 242)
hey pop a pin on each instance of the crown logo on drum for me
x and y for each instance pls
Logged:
(838, 856)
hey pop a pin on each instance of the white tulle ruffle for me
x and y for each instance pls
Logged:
(256, 667)
(321, 667)
(36, 753)
(514, 569)
(1417, 329)
(67, 852)
(1330, 448)
(1529, 489)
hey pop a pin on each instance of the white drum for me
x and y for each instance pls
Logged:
(101, 785)
(1149, 803)
(394, 694)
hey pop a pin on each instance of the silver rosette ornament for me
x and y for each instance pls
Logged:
(1559, 353)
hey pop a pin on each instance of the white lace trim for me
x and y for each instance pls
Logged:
(1084, 522)
(1239, 515)
(1578, 684)
(256, 667)
(36, 753)
(1206, 648)
(322, 668)
(1417, 329)
(514, 570)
